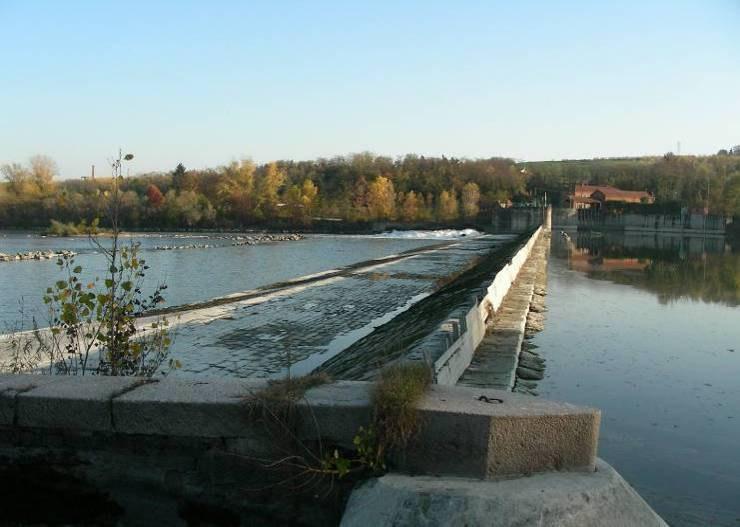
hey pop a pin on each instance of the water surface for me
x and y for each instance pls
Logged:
(648, 330)
(191, 274)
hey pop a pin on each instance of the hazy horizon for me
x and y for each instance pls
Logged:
(205, 84)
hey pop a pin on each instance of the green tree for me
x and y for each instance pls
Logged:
(182, 179)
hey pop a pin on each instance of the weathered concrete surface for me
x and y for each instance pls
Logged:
(600, 498)
(183, 407)
(451, 348)
(461, 434)
(490, 433)
(79, 402)
(11, 386)
(302, 325)
(496, 359)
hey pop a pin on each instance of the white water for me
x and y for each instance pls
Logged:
(441, 234)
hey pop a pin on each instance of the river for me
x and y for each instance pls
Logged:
(191, 275)
(648, 330)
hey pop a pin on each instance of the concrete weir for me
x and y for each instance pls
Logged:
(156, 450)
(150, 446)
(177, 451)
(497, 359)
(467, 326)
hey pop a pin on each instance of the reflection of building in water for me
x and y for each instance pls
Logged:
(583, 260)
(672, 267)
(596, 196)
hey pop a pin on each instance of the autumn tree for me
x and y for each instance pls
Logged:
(18, 178)
(270, 183)
(381, 199)
(447, 208)
(182, 179)
(470, 200)
(309, 194)
(236, 190)
(42, 173)
(410, 206)
(154, 196)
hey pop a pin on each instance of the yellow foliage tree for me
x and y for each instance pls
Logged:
(381, 198)
(410, 207)
(447, 208)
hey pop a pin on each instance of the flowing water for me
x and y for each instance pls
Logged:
(648, 330)
(192, 275)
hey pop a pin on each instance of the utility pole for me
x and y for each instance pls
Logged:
(92, 173)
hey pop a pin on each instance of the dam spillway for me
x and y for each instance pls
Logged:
(294, 327)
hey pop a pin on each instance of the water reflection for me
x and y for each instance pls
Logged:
(673, 268)
(664, 374)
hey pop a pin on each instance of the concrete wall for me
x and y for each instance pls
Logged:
(688, 224)
(518, 219)
(451, 347)
(158, 449)
(601, 498)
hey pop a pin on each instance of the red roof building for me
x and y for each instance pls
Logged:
(594, 196)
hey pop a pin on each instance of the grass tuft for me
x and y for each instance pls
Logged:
(397, 391)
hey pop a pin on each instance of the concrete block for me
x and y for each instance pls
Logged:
(179, 407)
(463, 434)
(72, 402)
(601, 497)
(336, 412)
(11, 386)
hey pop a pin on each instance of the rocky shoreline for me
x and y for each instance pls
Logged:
(34, 255)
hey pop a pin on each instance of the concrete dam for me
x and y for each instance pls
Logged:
(186, 447)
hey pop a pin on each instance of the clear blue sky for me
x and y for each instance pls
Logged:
(206, 82)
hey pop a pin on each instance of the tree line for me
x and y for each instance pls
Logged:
(676, 181)
(357, 188)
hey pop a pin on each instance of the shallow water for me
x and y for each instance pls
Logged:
(648, 330)
(191, 274)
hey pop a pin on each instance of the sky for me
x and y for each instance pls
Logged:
(204, 83)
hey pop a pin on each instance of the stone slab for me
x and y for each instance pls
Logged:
(204, 408)
(601, 497)
(467, 432)
(11, 386)
(72, 402)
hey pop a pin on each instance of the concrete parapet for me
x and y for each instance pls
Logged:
(601, 497)
(451, 347)
(176, 407)
(72, 402)
(464, 431)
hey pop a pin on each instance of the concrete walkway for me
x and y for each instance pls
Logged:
(496, 360)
